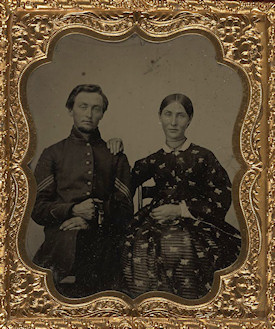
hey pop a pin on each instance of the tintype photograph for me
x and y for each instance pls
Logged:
(136, 165)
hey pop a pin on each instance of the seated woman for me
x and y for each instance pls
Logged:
(177, 242)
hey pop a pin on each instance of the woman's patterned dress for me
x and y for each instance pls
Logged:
(180, 256)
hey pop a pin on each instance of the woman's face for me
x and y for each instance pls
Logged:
(174, 120)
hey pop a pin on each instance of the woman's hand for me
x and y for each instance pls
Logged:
(74, 223)
(165, 212)
(115, 145)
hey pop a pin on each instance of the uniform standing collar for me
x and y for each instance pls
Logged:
(76, 134)
(183, 147)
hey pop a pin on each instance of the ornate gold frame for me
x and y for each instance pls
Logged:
(244, 36)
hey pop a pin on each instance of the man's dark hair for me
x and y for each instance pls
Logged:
(88, 89)
(180, 98)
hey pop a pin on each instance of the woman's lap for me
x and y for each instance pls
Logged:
(168, 258)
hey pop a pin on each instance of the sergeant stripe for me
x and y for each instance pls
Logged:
(46, 182)
(123, 188)
(43, 182)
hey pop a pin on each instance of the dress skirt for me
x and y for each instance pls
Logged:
(178, 256)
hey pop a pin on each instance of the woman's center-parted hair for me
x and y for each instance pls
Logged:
(88, 88)
(179, 98)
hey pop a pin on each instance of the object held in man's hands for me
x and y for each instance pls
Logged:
(99, 211)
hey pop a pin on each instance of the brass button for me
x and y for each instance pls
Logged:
(90, 172)
(88, 153)
(87, 162)
(89, 183)
(88, 144)
(88, 193)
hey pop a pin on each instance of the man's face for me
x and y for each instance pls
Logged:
(87, 111)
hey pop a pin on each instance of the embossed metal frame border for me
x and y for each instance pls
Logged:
(246, 33)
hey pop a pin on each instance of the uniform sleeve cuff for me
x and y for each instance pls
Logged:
(184, 210)
(62, 211)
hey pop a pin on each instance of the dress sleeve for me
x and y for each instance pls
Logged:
(212, 197)
(143, 170)
(122, 203)
(47, 210)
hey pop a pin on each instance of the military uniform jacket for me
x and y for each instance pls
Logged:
(68, 173)
(74, 170)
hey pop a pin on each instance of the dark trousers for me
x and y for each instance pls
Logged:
(93, 256)
(98, 261)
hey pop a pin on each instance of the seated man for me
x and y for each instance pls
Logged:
(83, 201)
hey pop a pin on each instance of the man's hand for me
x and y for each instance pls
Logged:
(85, 209)
(74, 223)
(115, 145)
(165, 212)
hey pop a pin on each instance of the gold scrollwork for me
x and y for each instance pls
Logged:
(4, 158)
(236, 27)
(271, 174)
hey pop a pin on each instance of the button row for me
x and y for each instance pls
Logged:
(89, 171)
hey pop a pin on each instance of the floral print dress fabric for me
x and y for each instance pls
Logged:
(181, 255)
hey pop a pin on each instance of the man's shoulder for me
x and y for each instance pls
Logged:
(107, 154)
(101, 145)
(103, 153)
(55, 149)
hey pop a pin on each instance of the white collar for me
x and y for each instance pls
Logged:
(183, 147)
